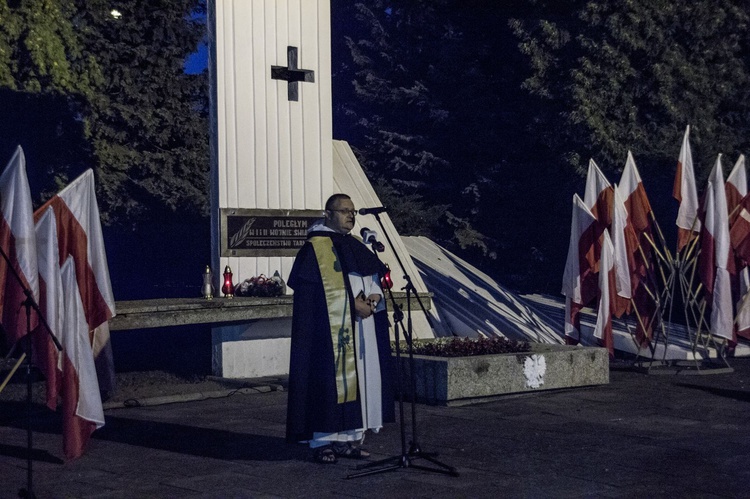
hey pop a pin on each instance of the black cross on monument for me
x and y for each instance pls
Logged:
(292, 74)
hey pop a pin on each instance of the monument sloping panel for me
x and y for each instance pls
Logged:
(348, 177)
(470, 303)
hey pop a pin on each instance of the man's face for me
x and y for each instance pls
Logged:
(341, 217)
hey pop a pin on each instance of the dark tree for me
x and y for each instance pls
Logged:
(621, 76)
(429, 94)
(148, 119)
(395, 60)
(108, 80)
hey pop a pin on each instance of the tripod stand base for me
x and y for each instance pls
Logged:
(404, 461)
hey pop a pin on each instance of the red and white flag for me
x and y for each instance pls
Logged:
(82, 411)
(740, 231)
(18, 242)
(598, 195)
(736, 189)
(640, 253)
(49, 359)
(621, 232)
(634, 197)
(72, 378)
(80, 236)
(736, 185)
(685, 192)
(603, 328)
(579, 279)
(714, 256)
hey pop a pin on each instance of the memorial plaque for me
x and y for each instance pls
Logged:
(246, 232)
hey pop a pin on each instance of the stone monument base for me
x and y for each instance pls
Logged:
(253, 350)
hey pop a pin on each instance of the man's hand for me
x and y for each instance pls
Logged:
(363, 306)
(373, 300)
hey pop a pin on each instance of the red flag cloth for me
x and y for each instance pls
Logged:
(714, 261)
(18, 242)
(80, 236)
(685, 192)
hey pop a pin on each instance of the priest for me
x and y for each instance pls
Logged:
(340, 381)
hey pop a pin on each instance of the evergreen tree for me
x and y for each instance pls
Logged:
(390, 107)
(148, 120)
(429, 95)
(93, 83)
(631, 75)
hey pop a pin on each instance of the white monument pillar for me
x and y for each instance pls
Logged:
(272, 125)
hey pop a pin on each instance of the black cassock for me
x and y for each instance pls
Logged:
(313, 401)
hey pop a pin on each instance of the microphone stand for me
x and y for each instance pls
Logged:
(29, 303)
(415, 451)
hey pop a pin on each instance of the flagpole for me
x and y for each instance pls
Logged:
(13, 371)
(661, 236)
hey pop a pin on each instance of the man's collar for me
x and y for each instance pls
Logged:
(320, 226)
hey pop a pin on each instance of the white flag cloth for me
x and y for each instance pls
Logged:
(598, 194)
(603, 328)
(578, 285)
(620, 250)
(686, 193)
(736, 185)
(715, 251)
(581, 241)
(18, 241)
(80, 236)
(51, 305)
(78, 366)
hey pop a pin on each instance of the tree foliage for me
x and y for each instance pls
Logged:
(631, 75)
(119, 100)
(491, 110)
(148, 121)
(429, 95)
(392, 106)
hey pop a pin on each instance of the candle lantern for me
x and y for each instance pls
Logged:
(208, 285)
(228, 287)
(386, 282)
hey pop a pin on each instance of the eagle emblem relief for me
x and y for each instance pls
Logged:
(534, 368)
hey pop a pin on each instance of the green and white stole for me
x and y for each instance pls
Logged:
(339, 318)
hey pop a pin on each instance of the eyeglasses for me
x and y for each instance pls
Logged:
(347, 212)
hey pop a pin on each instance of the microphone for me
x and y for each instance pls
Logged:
(372, 211)
(371, 237)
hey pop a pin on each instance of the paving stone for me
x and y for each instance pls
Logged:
(641, 435)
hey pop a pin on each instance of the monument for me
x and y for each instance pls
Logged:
(274, 161)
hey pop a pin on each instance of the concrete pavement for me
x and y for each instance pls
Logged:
(642, 435)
